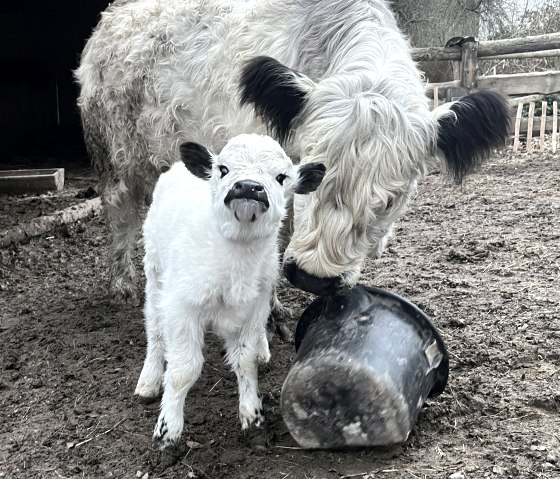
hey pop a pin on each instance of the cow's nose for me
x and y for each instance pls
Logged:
(307, 282)
(249, 190)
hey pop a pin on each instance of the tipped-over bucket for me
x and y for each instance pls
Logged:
(366, 361)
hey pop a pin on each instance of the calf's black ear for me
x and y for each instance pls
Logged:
(197, 159)
(310, 177)
(277, 93)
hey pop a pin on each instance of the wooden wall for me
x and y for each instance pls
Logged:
(40, 45)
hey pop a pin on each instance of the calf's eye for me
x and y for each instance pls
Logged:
(223, 170)
(280, 178)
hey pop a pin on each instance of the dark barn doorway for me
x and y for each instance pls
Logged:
(40, 45)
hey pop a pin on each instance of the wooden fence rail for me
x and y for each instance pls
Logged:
(532, 87)
(494, 48)
(543, 83)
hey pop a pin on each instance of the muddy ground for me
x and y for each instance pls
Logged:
(483, 260)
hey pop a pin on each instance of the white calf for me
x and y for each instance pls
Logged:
(211, 263)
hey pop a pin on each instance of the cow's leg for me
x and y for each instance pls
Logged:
(184, 339)
(380, 232)
(278, 312)
(123, 205)
(245, 349)
(151, 377)
(379, 245)
(277, 319)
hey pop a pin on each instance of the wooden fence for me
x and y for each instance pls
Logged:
(530, 123)
(522, 88)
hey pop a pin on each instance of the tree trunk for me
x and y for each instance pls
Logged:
(431, 23)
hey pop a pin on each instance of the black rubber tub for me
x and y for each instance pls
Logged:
(366, 361)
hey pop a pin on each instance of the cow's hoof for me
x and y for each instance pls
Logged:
(123, 291)
(284, 333)
(276, 325)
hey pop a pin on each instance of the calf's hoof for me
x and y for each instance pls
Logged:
(170, 456)
(256, 436)
(251, 418)
(147, 399)
(147, 393)
(264, 356)
(167, 435)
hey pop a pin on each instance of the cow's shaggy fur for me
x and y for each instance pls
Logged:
(334, 80)
(211, 263)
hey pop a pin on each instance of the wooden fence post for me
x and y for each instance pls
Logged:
(467, 70)
(436, 97)
(469, 63)
(543, 125)
(530, 126)
(517, 127)
(554, 125)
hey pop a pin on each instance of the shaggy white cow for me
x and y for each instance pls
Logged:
(333, 80)
(211, 262)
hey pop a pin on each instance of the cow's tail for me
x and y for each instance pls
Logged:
(469, 128)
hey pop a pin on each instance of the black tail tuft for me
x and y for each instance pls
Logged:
(481, 123)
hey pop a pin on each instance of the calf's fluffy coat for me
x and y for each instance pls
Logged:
(211, 262)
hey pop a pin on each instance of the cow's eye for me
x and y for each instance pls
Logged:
(223, 170)
(280, 178)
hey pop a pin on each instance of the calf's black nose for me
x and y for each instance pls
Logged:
(249, 190)
(307, 282)
(248, 185)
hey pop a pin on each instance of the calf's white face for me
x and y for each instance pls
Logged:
(251, 180)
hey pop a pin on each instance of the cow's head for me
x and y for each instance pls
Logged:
(344, 122)
(374, 132)
(251, 180)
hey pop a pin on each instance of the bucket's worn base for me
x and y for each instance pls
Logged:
(334, 402)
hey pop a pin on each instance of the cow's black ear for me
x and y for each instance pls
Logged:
(310, 177)
(277, 93)
(479, 123)
(197, 159)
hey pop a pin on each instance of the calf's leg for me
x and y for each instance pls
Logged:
(184, 339)
(244, 351)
